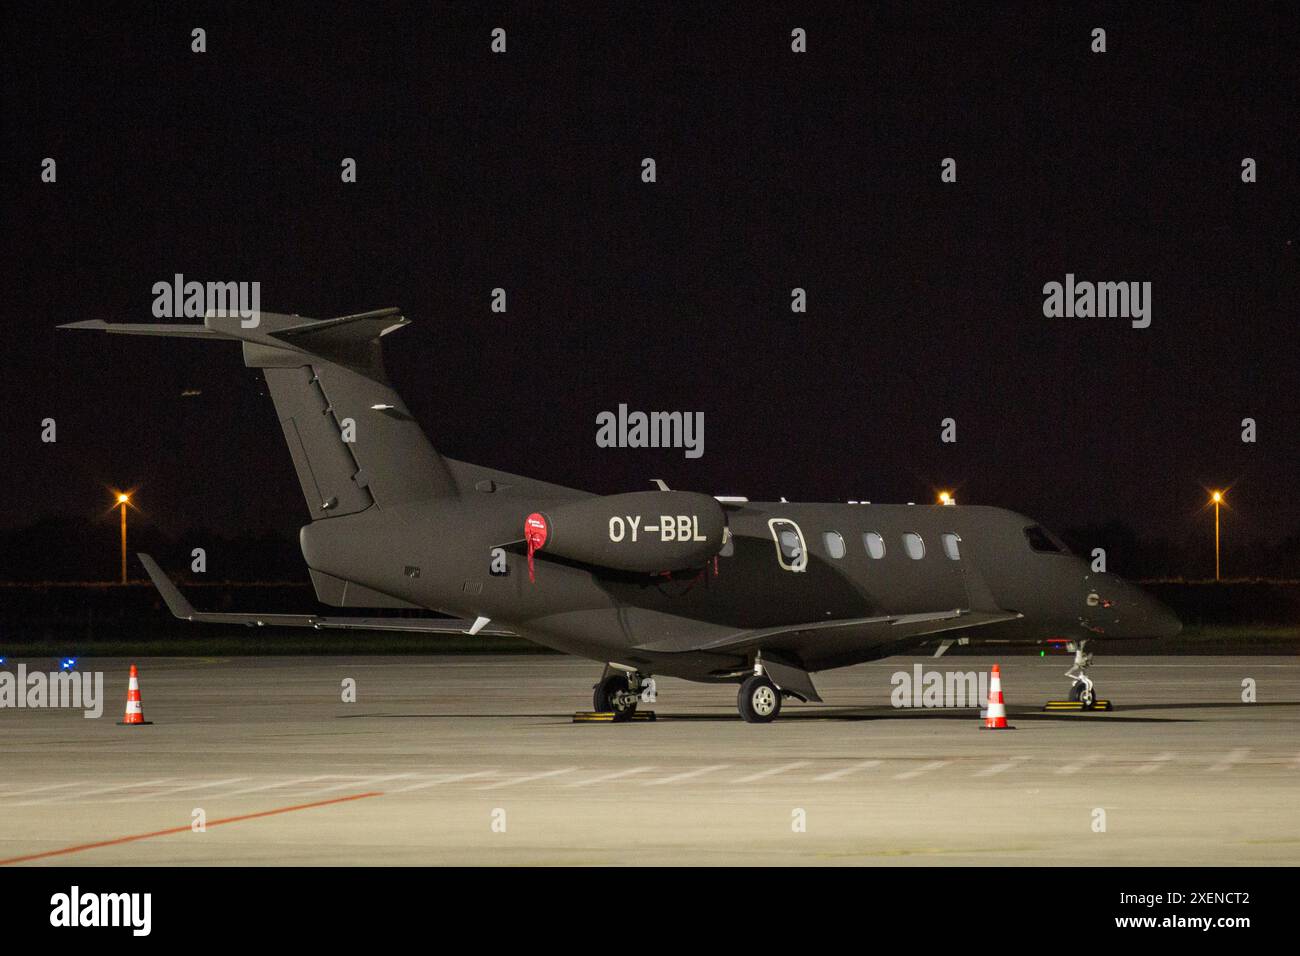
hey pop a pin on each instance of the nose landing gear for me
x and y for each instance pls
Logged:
(1083, 692)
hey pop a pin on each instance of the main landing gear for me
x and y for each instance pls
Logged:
(619, 691)
(759, 699)
(1083, 691)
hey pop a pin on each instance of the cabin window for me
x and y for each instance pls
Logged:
(791, 551)
(950, 546)
(834, 544)
(914, 546)
(874, 544)
(1040, 540)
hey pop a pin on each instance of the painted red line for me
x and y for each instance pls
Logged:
(185, 829)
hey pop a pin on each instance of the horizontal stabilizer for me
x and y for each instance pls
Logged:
(278, 340)
(174, 329)
(351, 340)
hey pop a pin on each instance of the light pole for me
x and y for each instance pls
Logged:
(123, 500)
(1217, 498)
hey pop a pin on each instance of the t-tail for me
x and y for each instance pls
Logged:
(353, 443)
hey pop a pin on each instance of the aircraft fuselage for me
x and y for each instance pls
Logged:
(840, 563)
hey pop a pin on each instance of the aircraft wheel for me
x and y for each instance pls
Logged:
(1083, 694)
(759, 700)
(605, 699)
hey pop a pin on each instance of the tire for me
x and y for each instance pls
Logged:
(602, 701)
(1077, 695)
(759, 700)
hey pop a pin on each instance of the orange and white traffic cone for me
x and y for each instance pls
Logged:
(995, 718)
(134, 708)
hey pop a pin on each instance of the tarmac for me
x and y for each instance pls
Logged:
(477, 760)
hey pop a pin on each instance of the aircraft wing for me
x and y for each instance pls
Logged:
(182, 609)
(892, 627)
(883, 629)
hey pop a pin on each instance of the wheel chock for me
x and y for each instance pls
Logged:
(1074, 705)
(607, 717)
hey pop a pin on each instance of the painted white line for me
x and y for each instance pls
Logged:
(771, 772)
(1001, 767)
(837, 774)
(443, 778)
(1230, 760)
(1078, 765)
(615, 775)
(687, 775)
(82, 794)
(358, 782)
(528, 778)
(924, 768)
(80, 783)
(181, 789)
(276, 786)
(1158, 761)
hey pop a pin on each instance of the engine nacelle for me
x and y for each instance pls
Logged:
(639, 531)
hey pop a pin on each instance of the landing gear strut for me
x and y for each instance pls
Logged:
(1083, 690)
(618, 693)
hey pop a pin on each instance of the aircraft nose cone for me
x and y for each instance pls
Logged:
(1164, 623)
(1135, 613)
(1153, 618)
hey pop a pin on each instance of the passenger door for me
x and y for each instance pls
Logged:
(791, 549)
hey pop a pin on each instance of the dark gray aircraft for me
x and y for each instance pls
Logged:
(759, 594)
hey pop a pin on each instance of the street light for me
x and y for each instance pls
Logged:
(946, 499)
(123, 499)
(1217, 498)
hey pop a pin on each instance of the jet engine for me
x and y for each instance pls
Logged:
(646, 531)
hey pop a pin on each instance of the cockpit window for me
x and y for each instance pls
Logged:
(1040, 539)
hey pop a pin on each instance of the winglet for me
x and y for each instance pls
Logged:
(176, 602)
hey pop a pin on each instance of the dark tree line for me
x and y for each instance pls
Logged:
(79, 549)
(86, 549)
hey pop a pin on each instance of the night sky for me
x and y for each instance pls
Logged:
(775, 170)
